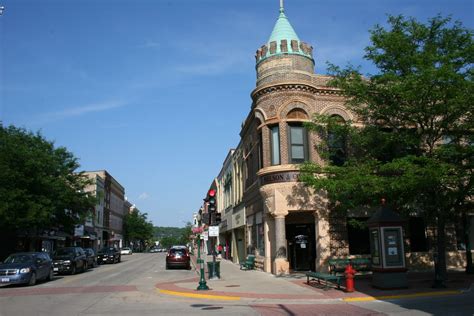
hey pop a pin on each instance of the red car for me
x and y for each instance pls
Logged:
(178, 256)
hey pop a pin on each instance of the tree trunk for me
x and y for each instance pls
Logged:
(467, 242)
(440, 259)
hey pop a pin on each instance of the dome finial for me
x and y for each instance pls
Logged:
(281, 6)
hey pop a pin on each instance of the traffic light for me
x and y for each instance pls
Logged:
(218, 218)
(211, 199)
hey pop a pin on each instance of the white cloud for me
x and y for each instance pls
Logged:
(150, 44)
(143, 196)
(81, 110)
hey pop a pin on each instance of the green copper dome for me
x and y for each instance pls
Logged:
(283, 31)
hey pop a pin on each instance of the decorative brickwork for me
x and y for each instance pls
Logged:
(339, 246)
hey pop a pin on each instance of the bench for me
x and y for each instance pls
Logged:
(328, 278)
(339, 265)
(249, 263)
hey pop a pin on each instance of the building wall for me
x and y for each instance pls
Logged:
(113, 209)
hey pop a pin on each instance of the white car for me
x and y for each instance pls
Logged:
(126, 251)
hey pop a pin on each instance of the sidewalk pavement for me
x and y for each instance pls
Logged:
(236, 284)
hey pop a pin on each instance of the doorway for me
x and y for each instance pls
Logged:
(301, 246)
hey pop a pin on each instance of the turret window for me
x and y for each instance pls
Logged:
(275, 144)
(298, 142)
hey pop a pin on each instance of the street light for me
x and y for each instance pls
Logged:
(202, 281)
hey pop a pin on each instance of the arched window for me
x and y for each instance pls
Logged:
(297, 136)
(297, 114)
(336, 144)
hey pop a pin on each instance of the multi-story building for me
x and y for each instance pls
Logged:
(289, 226)
(95, 225)
(230, 206)
(282, 216)
(113, 209)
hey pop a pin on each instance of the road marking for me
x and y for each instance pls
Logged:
(391, 297)
(206, 296)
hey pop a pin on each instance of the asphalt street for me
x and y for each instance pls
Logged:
(131, 288)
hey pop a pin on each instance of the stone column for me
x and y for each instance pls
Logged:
(323, 241)
(282, 266)
(268, 221)
(280, 236)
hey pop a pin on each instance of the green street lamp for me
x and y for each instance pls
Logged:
(202, 282)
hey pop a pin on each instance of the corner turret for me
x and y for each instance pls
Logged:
(285, 57)
(283, 40)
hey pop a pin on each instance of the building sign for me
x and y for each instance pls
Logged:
(288, 176)
(213, 231)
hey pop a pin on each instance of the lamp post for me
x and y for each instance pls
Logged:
(202, 281)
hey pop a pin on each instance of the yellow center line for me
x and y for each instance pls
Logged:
(391, 297)
(194, 295)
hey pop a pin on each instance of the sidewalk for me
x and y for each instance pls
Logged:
(240, 284)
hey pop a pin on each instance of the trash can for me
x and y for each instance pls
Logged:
(214, 269)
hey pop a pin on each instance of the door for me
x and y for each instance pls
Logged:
(301, 246)
(240, 245)
(301, 253)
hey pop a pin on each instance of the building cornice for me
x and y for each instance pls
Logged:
(294, 86)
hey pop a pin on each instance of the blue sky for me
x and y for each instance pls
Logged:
(155, 91)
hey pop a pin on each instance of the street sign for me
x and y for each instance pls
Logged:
(213, 231)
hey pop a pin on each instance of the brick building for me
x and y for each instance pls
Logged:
(110, 214)
(287, 225)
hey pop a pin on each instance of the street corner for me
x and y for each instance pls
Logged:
(198, 295)
(174, 289)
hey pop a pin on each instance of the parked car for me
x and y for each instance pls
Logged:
(91, 257)
(108, 254)
(26, 267)
(178, 256)
(69, 260)
(126, 251)
(154, 250)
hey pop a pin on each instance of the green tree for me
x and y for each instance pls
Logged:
(39, 185)
(186, 232)
(137, 228)
(415, 145)
(169, 236)
(168, 241)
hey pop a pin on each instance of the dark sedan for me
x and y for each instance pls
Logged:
(70, 260)
(108, 255)
(26, 267)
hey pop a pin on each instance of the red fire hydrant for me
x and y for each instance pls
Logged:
(349, 272)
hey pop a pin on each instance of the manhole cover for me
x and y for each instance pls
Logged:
(233, 285)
